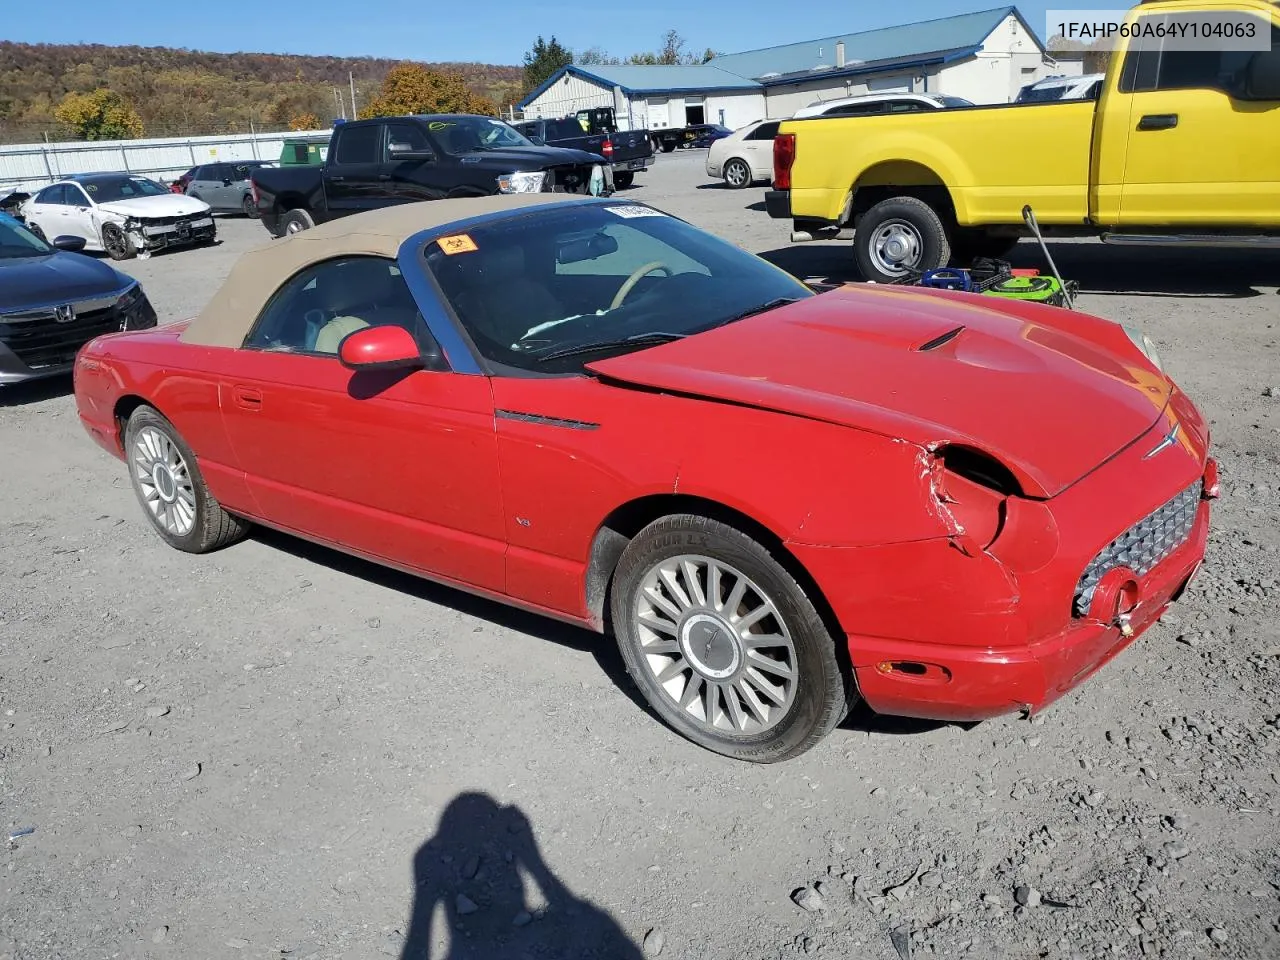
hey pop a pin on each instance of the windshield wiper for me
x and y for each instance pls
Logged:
(762, 308)
(637, 340)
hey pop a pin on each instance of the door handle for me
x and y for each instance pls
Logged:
(247, 399)
(334, 179)
(1158, 121)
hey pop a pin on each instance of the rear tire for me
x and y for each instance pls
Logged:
(295, 221)
(34, 229)
(248, 207)
(752, 686)
(898, 237)
(623, 179)
(171, 490)
(737, 174)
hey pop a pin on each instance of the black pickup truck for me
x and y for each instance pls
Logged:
(390, 160)
(628, 151)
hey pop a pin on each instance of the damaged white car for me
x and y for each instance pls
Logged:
(120, 213)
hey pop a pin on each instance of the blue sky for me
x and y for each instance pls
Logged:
(494, 31)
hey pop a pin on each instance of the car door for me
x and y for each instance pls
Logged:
(415, 175)
(80, 219)
(48, 210)
(352, 173)
(401, 467)
(758, 145)
(1198, 154)
(202, 183)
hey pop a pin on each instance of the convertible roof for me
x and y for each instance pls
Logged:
(227, 318)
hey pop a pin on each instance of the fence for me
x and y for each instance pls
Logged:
(25, 166)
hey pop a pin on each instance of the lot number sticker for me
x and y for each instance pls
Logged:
(631, 211)
(460, 243)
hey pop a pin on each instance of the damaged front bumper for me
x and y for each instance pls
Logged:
(147, 236)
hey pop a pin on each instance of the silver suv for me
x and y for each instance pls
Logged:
(225, 186)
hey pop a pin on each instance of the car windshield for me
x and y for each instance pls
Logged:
(105, 190)
(17, 241)
(594, 280)
(457, 135)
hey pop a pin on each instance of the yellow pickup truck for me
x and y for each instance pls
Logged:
(1182, 146)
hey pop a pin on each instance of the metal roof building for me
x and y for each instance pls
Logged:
(985, 56)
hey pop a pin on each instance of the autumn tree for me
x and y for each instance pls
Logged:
(305, 121)
(543, 60)
(410, 88)
(99, 115)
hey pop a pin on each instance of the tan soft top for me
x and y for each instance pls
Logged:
(226, 319)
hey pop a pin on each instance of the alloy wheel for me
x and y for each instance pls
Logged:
(716, 645)
(164, 481)
(896, 247)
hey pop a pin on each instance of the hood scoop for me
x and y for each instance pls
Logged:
(940, 341)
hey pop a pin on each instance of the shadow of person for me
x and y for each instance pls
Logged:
(483, 892)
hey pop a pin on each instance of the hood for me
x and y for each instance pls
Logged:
(60, 277)
(528, 158)
(164, 205)
(1052, 405)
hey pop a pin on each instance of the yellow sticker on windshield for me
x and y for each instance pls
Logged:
(459, 243)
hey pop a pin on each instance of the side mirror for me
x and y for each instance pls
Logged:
(405, 151)
(70, 244)
(1262, 76)
(226, 181)
(380, 348)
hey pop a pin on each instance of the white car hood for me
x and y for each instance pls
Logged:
(166, 205)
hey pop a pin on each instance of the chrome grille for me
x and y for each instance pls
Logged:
(52, 344)
(1142, 546)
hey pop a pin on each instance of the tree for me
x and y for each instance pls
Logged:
(672, 44)
(99, 115)
(596, 55)
(305, 121)
(543, 61)
(411, 88)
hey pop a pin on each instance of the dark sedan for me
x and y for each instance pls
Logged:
(53, 300)
(705, 134)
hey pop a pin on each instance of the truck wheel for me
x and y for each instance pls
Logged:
(295, 221)
(623, 179)
(898, 237)
(667, 147)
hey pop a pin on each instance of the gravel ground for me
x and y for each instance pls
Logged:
(279, 752)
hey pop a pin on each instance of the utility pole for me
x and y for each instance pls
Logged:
(352, 80)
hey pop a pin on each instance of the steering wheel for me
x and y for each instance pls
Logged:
(629, 284)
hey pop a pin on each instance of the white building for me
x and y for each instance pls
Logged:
(985, 57)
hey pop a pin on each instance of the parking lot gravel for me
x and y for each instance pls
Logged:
(275, 751)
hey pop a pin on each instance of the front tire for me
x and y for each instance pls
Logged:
(737, 174)
(34, 229)
(295, 221)
(724, 644)
(167, 481)
(899, 237)
(116, 243)
(248, 207)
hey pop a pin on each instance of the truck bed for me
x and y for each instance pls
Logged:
(995, 159)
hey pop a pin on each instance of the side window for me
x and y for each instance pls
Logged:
(314, 310)
(239, 171)
(53, 195)
(1153, 69)
(852, 110)
(359, 144)
(905, 106)
(75, 196)
(407, 133)
(766, 131)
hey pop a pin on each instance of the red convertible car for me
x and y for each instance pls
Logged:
(778, 501)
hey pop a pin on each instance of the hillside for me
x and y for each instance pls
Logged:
(191, 92)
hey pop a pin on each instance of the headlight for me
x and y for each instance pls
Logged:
(1144, 344)
(522, 182)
